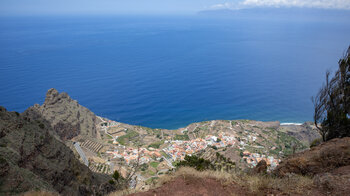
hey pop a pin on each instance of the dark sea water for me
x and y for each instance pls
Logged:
(167, 72)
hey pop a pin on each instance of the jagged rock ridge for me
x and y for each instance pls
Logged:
(68, 118)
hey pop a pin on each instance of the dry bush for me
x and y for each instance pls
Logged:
(291, 184)
(256, 183)
(122, 192)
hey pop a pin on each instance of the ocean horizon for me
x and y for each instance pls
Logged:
(171, 71)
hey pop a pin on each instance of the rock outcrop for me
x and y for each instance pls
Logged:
(261, 167)
(66, 116)
(32, 159)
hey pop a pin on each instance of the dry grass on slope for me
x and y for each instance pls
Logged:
(254, 184)
(289, 185)
(184, 172)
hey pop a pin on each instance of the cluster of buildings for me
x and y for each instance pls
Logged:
(109, 123)
(178, 149)
(244, 140)
(254, 158)
(132, 154)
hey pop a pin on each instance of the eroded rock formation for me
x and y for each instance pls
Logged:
(67, 117)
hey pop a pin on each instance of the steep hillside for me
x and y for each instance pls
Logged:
(328, 164)
(306, 132)
(32, 159)
(320, 159)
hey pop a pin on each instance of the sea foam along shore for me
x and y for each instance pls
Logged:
(287, 124)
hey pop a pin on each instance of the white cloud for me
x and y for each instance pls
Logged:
(222, 6)
(326, 4)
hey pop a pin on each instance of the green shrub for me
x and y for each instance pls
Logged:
(111, 181)
(116, 175)
(154, 164)
(144, 167)
(199, 164)
(42, 126)
(213, 147)
(316, 142)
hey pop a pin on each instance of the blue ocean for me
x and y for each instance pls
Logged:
(170, 71)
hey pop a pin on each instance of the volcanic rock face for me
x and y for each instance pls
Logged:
(31, 158)
(66, 116)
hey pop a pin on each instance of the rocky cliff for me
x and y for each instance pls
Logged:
(66, 116)
(32, 159)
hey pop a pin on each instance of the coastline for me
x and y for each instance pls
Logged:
(211, 122)
(290, 124)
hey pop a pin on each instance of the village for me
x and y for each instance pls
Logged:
(157, 160)
(177, 149)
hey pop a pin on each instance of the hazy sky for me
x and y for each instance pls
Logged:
(15, 7)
